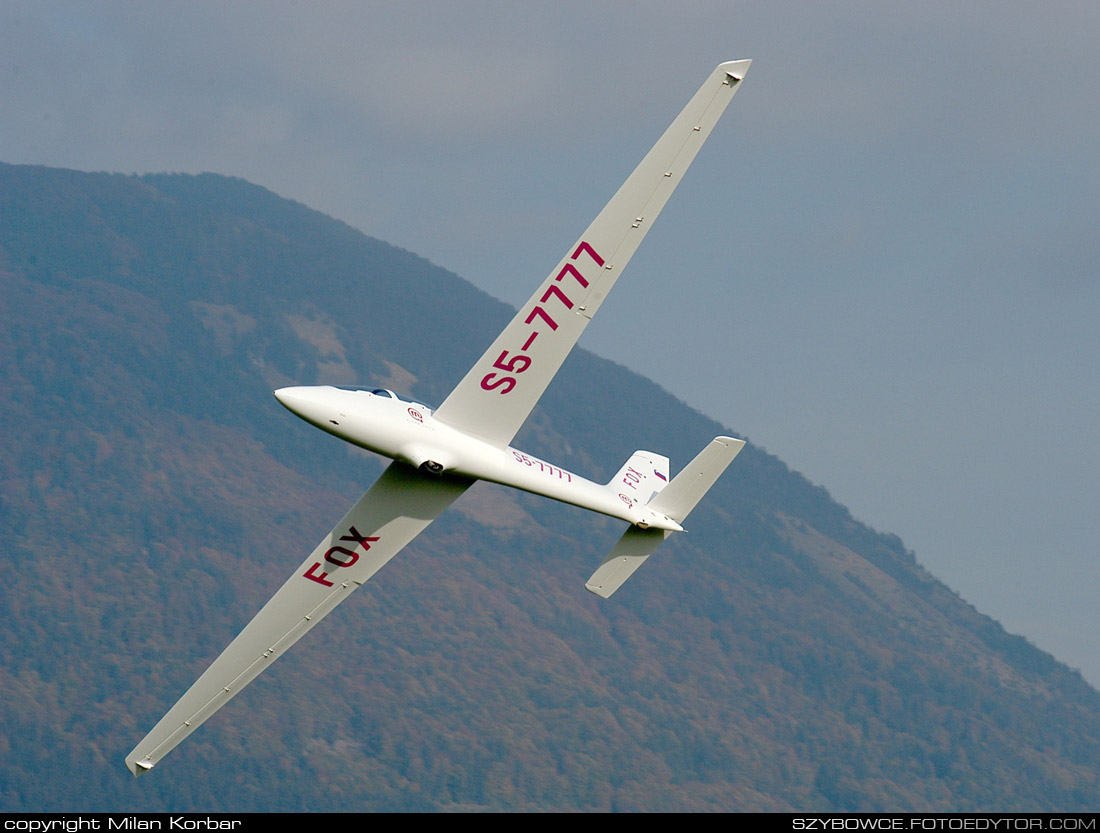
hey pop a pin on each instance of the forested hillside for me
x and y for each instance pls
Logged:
(153, 495)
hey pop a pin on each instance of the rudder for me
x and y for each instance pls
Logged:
(642, 477)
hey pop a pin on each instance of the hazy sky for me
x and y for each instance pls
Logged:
(884, 267)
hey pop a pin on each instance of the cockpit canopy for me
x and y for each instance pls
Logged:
(376, 391)
(385, 393)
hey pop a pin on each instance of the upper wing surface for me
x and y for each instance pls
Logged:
(502, 387)
(392, 512)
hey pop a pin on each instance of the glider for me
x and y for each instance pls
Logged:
(438, 455)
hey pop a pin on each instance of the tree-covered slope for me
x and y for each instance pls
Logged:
(153, 495)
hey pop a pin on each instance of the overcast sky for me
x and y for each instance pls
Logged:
(884, 267)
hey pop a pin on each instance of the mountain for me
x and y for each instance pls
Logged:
(153, 494)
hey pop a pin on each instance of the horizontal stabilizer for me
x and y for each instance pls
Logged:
(629, 554)
(679, 497)
(676, 500)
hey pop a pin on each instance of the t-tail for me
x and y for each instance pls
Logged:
(675, 500)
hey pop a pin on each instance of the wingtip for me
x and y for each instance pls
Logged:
(599, 590)
(731, 441)
(736, 69)
(139, 768)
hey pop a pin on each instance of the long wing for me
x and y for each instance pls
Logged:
(392, 512)
(501, 389)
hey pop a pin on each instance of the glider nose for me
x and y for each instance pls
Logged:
(302, 402)
(289, 397)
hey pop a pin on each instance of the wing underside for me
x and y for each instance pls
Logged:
(391, 513)
(494, 399)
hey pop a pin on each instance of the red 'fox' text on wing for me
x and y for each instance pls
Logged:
(394, 510)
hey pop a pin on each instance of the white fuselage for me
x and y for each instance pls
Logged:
(407, 431)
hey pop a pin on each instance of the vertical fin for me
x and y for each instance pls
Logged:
(642, 476)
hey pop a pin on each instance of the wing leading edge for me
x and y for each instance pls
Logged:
(392, 512)
(494, 399)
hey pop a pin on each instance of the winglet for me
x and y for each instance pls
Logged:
(139, 767)
(736, 69)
